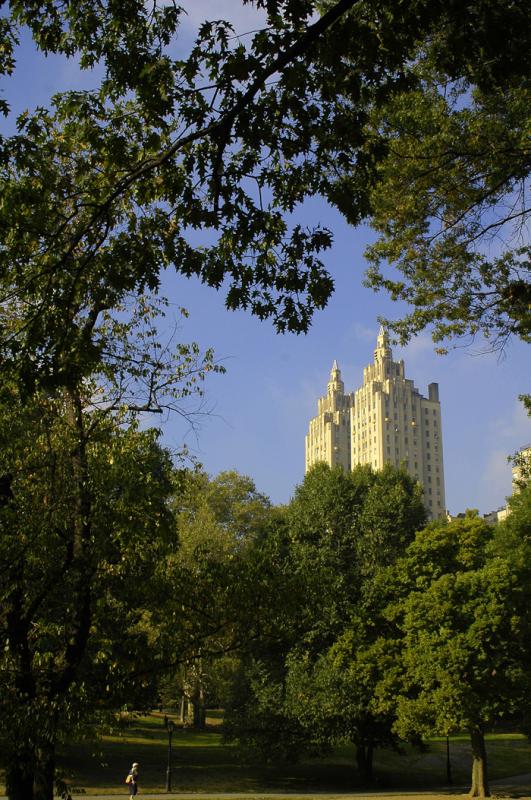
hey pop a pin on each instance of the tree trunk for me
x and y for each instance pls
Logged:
(199, 714)
(480, 781)
(202, 709)
(364, 759)
(20, 755)
(370, 753)
(44, 772)
(19, 777)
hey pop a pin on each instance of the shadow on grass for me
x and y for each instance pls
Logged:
(202, 763)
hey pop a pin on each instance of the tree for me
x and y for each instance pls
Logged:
(111, 181)
(458, 159)
(521, 460)
(345, 530)
(332, 684)
(102, 189)
(224, 513)
(511, 543)
(449, 160)
(84, 527)
(81, 535)
(255, 713)
(463, 649)
(218, 521)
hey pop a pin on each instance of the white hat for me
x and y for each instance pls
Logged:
(136, 764)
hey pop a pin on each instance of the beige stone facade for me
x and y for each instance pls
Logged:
(386, 420)
(522, 468)
(328, 437)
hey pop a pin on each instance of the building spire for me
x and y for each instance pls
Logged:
(383, 348)
(335, 384)
(383, 337)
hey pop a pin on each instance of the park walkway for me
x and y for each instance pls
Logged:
(381, 795)
(516, 786)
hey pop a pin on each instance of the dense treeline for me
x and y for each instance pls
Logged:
(340, 617)
(400, 629)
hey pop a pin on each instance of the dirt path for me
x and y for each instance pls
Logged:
(517, 786)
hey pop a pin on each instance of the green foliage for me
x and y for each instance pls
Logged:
(85, 528)
(103, 188)
(452, 181)
(225, 513)
(82, 530)
(465, 625)
(521, 460)
(319, 687)
(512, 544)
(460, 653)
(216, 586)
(393, 510)
(441, 149)
(443, 567)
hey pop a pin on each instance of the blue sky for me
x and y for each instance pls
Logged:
(261, 407)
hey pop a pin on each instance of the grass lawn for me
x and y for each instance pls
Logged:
(201, 763)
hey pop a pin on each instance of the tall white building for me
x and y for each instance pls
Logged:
(328, 438)
(522, 468)
(386, 420)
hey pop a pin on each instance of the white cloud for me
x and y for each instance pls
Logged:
(496, 479)
(362, 333)
(508, 434)
(514, 430)
(296, 403)
(418, 348)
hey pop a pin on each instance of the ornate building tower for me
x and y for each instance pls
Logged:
(328, 438)
(393, 423)
(390, 422)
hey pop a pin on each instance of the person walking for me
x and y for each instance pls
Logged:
(132, 780)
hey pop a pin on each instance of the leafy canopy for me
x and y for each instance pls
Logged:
(412, 117)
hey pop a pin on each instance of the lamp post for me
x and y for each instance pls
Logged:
(170, 728)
